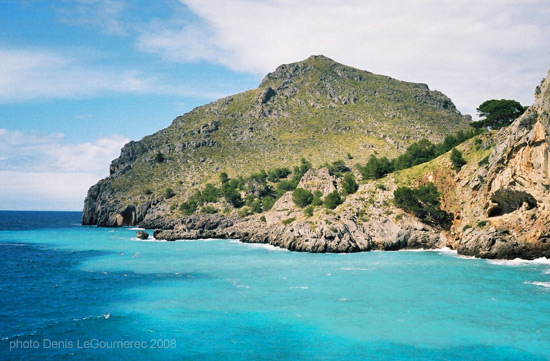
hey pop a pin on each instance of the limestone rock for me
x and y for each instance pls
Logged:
(142, 235)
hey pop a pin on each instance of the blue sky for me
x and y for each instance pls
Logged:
(79, 78)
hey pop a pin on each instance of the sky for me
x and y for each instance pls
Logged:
(80, 78)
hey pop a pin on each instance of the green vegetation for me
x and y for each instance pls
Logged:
(349, 185)
(159, 157)
(267, 203)
(224, 178)
(308, 211)
(302, 197)
(288, 220)
(457, 159)
(189, 207)
(278, 173)
(499, 113)
(482, 224)
(484, 161)
(209, 210)
(337, 168)
(333, 200)
(423, 202)
(375, 168)
(317, 201)
(169, 193)
(417, 153)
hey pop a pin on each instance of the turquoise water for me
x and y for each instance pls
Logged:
(73, 292)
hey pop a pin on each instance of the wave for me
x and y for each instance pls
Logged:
(519, 261)
(299, 287)
(442, 250)
(536, 283)
(150, 239)
(354, 269)
(266, 246)
(137, 229)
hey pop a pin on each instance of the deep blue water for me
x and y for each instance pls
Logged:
(74, 292)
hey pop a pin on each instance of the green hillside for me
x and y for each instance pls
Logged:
(317, 109)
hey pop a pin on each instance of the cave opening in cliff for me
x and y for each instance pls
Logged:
(506, 201)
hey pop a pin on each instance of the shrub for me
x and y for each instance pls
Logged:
(278, 173)
(308, 211)
(169, 193)
(338, 168)
(262, 218)
(148, 191)
(209, 210)
(224, 178)
(159, 157)
(423, 202)
(349, 185)
(376, 168)
(232, 195)
(286, 185)
(457, 159)
(333, 200)
(302, 197)
(317, 201)
(244, 211)
(482, 224)
(484, 161)
(289, 220)
(256, 206)
(267, 203)
(189, 207)
(210, 193)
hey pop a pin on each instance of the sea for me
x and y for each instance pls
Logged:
(72, 292)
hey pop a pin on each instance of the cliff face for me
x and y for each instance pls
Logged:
(317, 109)
(508, 199)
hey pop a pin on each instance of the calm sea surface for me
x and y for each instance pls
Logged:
(87, 293)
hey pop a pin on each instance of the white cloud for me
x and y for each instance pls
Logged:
(104, 14)
(31, 74)
(46, 172)
(43, 74)
(471, 50)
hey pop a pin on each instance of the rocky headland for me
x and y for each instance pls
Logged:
(330, 113)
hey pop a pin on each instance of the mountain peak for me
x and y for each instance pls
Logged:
(313, 64)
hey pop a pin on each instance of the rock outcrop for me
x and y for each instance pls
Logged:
(285, 226)
(507, 201)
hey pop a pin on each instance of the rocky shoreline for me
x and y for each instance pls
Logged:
(346, 237)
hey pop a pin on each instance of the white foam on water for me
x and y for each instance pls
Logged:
(198, 240)
(444, 250)
(236, 283)
(299, 288)
(137, 229)
(519, 261)
(150, 239)
(354, 269)
(540, 284)
(266, 246)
